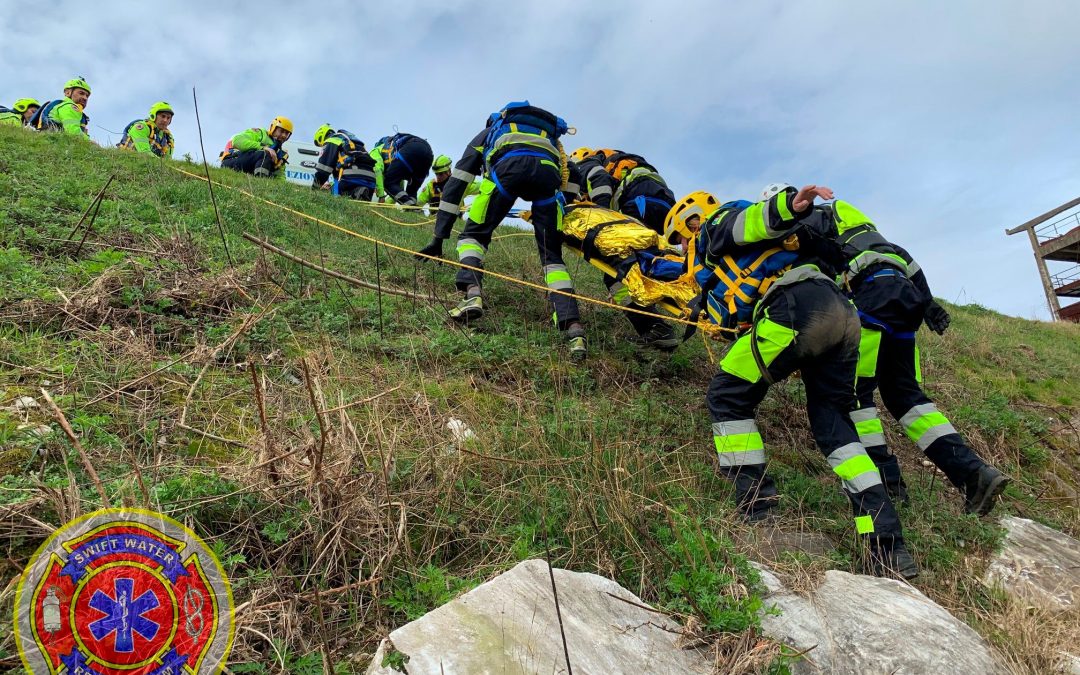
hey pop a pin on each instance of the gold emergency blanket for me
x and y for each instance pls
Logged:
(647, 291)
(622, 236)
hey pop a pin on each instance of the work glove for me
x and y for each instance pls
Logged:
(937, 319)
(434, 248)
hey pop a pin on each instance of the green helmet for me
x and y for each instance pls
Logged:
(321, 133)
(160, 106)
(23, 103)
(78, 83)
(442, 163)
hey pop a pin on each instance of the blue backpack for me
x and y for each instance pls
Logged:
(40, 119)
(520, 116)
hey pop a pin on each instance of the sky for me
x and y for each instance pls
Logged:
(945, 122)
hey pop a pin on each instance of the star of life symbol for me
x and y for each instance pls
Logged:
(124, 615)
(123, 591)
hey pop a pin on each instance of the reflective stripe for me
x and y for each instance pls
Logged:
(573, 188)
(322, 167)
(738, 443)
(593, 171)
(913, 268)
(868, 258)
(924, 424)
(556, 276)
(794, 276)
(463, 175)
(261, 172)
(781, 206)
(752, 225)
(864, 415)
(358, 172)
(868, 425)
(602, 190)
(856, 470)
(864, 524)
(470, 248)
(453, 209)
(523, 139)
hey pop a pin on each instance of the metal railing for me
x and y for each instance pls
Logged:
(1069, 276)
(1057, 228)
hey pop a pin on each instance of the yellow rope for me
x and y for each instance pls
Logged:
(402, 249)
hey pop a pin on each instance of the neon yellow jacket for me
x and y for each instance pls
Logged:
(11, 118)
(254, 138)
(70, 117)
(432, 192)
(144, 136)
(257, 138)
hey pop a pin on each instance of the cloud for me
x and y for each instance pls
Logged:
(946, 122)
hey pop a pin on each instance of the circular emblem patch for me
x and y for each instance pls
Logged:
(123, 591)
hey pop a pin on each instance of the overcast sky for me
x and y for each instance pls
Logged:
(945, 122)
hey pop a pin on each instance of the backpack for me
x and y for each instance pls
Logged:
(40, 119)
(619, 163)
(521, 117)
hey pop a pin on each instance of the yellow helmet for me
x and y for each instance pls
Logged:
(23, 103)
(159, 107)
(580, 154)
(77, 83)
(321, 133)
(281, 122)
(699, 204)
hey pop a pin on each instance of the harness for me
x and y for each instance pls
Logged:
(388, 148)
(523, 130)
(161, 140)
(353, 163)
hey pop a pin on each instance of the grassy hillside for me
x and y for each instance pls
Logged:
(300, 424)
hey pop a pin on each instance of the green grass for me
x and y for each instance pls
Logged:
(605, 465)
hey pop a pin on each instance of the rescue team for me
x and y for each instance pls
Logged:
(799, 280)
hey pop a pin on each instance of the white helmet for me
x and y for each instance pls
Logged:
(772, 189)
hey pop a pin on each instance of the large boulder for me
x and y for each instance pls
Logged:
(854, 624)
(509, 626)
(1037, 565)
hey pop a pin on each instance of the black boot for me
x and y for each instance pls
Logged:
(755, 493)
(982, 488)
(891, 559)
(434, 249)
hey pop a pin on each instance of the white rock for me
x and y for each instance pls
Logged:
(25, 403)
(38, 430)
(459, 431)
(508, 626)
(1070, 664)
(853, 624)
(1038, 565)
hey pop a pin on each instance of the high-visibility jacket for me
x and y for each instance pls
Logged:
(747, 250)
(865, 250)
(63, 114)
(257, 138)
(144, 136)
(431, 194)
(9, 117)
